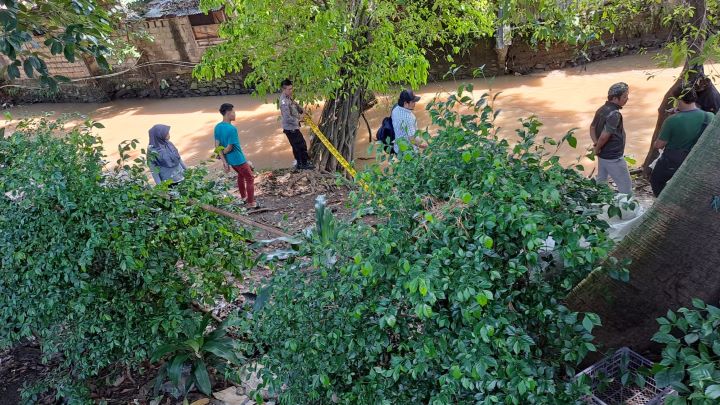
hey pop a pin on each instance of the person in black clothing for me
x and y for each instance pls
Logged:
(708, 97)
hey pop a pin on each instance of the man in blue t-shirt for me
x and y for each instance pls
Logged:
(226, 135)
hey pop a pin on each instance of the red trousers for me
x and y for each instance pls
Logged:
(245, 182)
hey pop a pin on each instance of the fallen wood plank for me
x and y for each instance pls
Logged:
(261, 210)
(244, 220)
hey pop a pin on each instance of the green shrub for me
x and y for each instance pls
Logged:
(197, 349)
(444, 293)
(100, 267)
(691, 357)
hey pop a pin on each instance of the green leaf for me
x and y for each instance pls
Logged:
(262, 298)
(488, 242)
(713, 391)
(674, 399)
(27, 66)
(69, 52)
(572, 141)
(701, 372)
(325, 380)
(162, 351)
(466, 156)
(7, 19)
(175, 369)
(223, 348)
(669, 377)
(691, 338)
(422, 287)
(202, 378)
(698, 303)
(56, 48)
(36, 63)
(13, 71)
(588, 323)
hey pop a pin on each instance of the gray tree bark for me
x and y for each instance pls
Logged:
(339, 123)
(674, 253)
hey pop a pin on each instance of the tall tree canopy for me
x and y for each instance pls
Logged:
(344, 51)
(339, 51)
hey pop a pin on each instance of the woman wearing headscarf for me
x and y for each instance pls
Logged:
(163, 157)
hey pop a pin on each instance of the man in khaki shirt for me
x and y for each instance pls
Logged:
(290, 114)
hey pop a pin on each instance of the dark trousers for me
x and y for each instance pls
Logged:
(299, 147)
(665, 168)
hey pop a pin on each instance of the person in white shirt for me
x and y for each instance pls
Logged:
(404, 121)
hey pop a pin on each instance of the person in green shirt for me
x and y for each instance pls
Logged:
(226, 135)
(678, 135)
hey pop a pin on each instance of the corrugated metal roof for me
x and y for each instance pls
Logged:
(172, 8)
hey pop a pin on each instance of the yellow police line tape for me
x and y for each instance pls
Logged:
(344, 163)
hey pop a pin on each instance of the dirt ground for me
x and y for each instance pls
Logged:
(288, 199)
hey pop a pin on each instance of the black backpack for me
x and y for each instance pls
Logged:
(386, 135)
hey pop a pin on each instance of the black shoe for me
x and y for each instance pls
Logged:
(307, 166)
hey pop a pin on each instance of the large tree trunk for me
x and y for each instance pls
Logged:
(695, 45)
(674, 253)
(339, 123)
(663, 114)
(503, 40)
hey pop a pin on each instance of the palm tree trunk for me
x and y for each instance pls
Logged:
(674, 253)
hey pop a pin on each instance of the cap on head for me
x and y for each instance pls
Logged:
(617, 90)
(407, 96)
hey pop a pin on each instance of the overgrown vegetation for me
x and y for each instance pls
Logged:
(450, 289)
(74, 29)
(98, 266)
(691, 356)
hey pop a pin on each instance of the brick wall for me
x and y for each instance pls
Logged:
(57, 64)
(173, 40)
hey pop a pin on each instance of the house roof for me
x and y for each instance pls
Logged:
(171, 8)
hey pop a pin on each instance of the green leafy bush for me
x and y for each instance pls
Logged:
(691, 357)
(98, 266)
(446, 292)
(197, 349)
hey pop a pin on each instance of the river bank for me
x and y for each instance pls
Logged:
(562, 99)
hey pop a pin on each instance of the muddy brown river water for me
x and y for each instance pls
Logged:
(561, 99)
